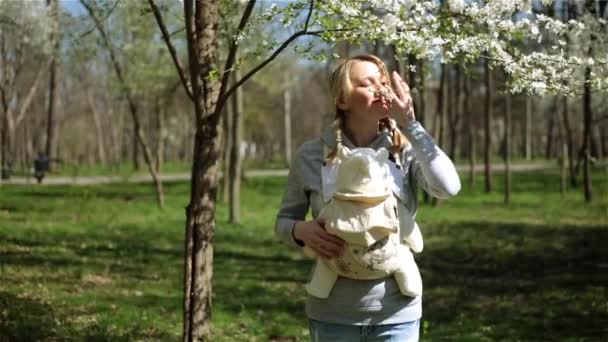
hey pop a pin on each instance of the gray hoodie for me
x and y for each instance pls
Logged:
(363, 302)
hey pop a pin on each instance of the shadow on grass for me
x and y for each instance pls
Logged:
(23, 319)
(496, 281)
(518, 282)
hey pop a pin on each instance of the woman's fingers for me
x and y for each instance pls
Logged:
(330, 246)
(400, 87)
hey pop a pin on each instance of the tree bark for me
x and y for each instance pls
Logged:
(569, 141)
(455, 111)
(588, 119)
(440, 109)
(471, 132)
(550, 136)
(50, 132)
(226, 139)
(528, 129)
(201, 19)
(507, 156)
(287, 118)
(564, 145)
(235, 154)
(488, 129)
(101, 153)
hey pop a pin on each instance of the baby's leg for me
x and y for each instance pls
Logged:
(322, 281)
(408, 276)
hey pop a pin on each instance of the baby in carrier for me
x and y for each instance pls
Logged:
(365, 213)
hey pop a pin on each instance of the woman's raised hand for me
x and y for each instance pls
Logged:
(313, 234)
(402, 103)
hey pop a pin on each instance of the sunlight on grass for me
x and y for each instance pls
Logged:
(104, 263)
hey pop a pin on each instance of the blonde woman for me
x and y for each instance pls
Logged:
(363, 310)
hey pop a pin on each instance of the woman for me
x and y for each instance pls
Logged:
(362, 310)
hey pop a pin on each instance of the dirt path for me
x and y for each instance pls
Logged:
(89, 180)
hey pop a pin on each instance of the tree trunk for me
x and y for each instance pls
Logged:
(438, 124)
(201, 17)
(160, 129)
(456, 111)
(488, 129)
(588, 118)
(471, 132)
(235, 153)
(528, 129)
(50, 132)
(227, 123)
(564, 145)
(135, 148)
(550, 136)
(507, 156)
(138, 135)
(569, 141)
(101, 153)
(287, 119)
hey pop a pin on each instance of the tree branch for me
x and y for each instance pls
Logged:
(167, 39)
(222, 99)
(232, 56)
(28, 98)
(104, 19)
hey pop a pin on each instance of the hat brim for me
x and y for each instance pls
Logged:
(368, 198)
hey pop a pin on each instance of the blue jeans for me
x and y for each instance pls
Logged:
(330, 332)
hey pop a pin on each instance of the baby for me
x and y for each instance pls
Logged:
(364, 212)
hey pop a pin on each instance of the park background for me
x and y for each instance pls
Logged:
(96, 250)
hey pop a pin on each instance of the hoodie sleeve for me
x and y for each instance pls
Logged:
(433, 169)
(296, 201)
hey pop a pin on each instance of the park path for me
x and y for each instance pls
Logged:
(174, 177)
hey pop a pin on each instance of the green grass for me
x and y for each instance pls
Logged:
(102, 263)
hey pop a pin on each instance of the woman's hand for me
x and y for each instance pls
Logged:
(402, 103)
(313, 234)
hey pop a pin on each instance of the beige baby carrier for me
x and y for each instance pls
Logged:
(379, 230)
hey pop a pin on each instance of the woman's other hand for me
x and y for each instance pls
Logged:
(402, 104)
(312, 233)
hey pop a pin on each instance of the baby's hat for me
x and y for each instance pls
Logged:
(362, 175)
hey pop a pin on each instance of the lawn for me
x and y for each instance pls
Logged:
(103, 263)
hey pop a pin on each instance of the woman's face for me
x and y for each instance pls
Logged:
(365, 102)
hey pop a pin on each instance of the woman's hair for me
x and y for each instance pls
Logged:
(340, 86)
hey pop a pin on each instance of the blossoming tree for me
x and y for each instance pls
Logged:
(460, 31)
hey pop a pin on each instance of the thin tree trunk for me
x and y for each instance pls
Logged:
(507, 156)
(101, 153)
(471, 132)
(135, 147)
(449, 109)
(488, 128)
(235, 155)
(287, 118)
(550, 136)
(569, 141)
(528, 129)
(564, 146)
(50, 133)
(588, 119)
(138, 133)
(160, 129)
(456, 111)
(228, 122)
(437, 126)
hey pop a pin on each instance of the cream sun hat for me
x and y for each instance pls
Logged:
(362, 175)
